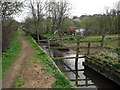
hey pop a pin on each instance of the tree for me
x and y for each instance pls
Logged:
(52, 12)
(8, 27)
(10, 8)
(118, 16)
(58, 11)
(36, 8)
(63, 11)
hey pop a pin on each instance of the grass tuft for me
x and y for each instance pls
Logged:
(18, 82)
(10, 55)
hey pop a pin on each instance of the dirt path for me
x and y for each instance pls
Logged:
(35, 77)
(26, 53)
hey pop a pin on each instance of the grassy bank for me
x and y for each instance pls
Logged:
(108, 39)
(10, 55)
(61, 81)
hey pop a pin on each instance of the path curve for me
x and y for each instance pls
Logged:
(25, 54)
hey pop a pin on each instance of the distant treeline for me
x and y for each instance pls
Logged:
(101, 24)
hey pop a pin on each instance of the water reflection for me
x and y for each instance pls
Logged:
(81, 80)
(84, 77)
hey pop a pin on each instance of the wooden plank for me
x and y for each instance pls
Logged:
(72, 47)
(56, 39)
(57, 58)
(73, 70)
(86, 85)
(43, 40)
(80, 79)
(93, 61)
(67, 39)
(102, 41)
(90, 41)
(49, 48)
(76, 60)
(88, 48)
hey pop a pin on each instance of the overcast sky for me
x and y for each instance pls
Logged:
(80, 7)
(86, 7)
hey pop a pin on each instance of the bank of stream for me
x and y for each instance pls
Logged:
(87, 78)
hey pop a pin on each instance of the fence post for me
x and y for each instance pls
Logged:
(49, 48)
(88, 48)
(76, 60)
(103, 39)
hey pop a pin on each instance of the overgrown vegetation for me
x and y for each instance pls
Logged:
(9, 55)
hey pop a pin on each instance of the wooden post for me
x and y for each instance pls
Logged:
(103, 39)
(76, 60)
(49, 48)
(88, 48)
(86, 81)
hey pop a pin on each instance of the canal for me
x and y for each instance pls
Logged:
(87, 78)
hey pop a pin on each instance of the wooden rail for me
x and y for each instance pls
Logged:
(76, 57)
(72, 70)
(79, 79)
(65, 47)
(60, 58)
(66, 39)
(86, 85)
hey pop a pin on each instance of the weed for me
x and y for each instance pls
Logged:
(18, 82)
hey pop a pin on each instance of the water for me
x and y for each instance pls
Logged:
(87, 78)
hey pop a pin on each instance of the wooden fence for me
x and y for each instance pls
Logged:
(77, 52)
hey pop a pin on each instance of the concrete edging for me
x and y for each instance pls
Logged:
(108, 73)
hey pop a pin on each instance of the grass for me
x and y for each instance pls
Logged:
(108, 39)
(10, 55)
(61, 81)
(18, 82)
(23, 33)
(48, 35)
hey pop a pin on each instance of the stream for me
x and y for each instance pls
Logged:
(87, 78)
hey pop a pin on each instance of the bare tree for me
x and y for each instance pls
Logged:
(58, 11)
(36, 8)
(52, 11)
(63, 9)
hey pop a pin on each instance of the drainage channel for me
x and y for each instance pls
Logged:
(87, 78)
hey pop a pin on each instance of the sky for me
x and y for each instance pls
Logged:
(85, 7)
(90, 7)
